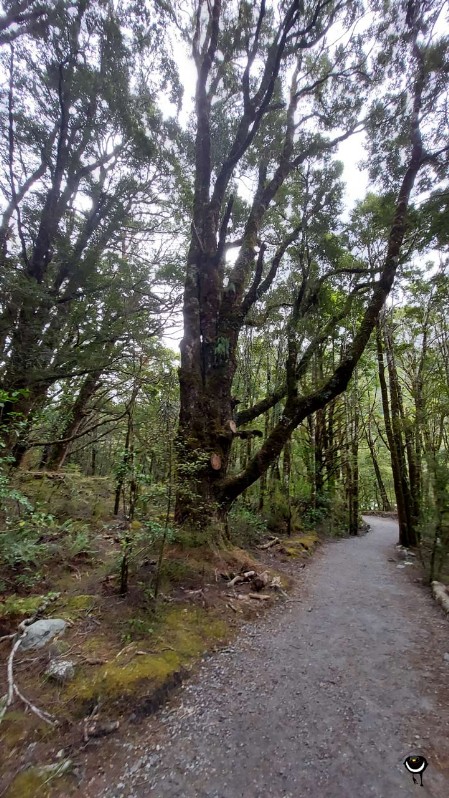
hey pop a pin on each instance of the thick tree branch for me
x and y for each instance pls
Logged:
(299, 408)
(79, 434)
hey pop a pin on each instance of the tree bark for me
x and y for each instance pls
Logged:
(385, 502)
(393, 427)
(58, 452)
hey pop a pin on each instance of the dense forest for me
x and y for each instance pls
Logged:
(224, 333)
(313, 371)
(314, 363)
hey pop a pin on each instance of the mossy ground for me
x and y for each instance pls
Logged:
(298, 545)
(29, 782)
(128, 651)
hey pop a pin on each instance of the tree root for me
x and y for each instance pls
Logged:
(13, 690)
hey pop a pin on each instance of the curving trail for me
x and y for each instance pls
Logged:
(322, 698)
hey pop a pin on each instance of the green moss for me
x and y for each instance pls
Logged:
(295, 546)
(308, 541)
(180, 634)
(20, 606)
(192, 630)
(36, 781)
(115, 681)
(29, 782)
(14, 729)
(292, 551)
(72, 606)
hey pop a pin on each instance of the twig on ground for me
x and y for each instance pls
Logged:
(7, 637)
(231, 607)
(259, 596)
(12, 688)
(45, 716)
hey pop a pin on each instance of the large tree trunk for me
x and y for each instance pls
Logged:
(351, 462)
(263, 478)
(385, 502)
(214, 313)
(205, 430)
(395, 465)
(393, 427)
(16, 418)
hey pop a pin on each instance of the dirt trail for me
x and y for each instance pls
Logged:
(322, 698)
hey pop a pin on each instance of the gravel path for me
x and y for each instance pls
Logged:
(322, 698)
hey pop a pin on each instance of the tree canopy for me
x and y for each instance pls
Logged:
(122, 216)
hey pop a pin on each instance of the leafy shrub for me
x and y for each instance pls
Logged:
(245, 526)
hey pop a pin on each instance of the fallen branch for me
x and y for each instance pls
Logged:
(259, 596)
(7, 637)
(270, 543)
(92, 717)
(45, 716)
(440, 595)
(240, 596)
(231, 607)
(276, 585)
(245, 577)
(12, 689)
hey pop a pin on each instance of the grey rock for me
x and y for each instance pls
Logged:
(61, 671)
(41, 632)
(446, 656)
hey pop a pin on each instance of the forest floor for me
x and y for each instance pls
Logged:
(127, 654)
(323, 697)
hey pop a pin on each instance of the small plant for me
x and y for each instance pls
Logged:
(137, 628)
(30, 541)
(77, 539)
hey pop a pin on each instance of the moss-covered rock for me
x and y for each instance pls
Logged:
(308, 541)
(297, 545)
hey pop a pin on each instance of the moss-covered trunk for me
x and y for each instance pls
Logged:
(205, 434)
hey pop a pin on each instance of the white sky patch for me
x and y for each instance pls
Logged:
(351, 152)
